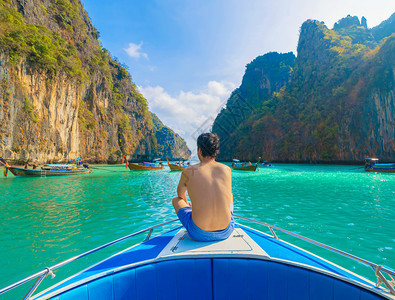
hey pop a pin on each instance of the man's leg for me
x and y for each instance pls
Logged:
(179, 203)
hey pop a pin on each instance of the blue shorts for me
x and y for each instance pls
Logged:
(197, 234)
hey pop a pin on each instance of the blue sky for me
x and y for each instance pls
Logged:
(187, 56)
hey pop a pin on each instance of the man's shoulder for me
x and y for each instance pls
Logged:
(216, 164)
(222, 166)
(190, 168)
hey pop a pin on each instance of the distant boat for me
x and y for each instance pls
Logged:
(47, 170)
(175, 167)
(145, 166)
(372, 165)
(243, 166)
(266, 163)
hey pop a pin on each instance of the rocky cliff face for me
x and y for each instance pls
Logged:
(38, 119)
(369, 127)
(264, 76)
(169, 144)
(61, 93)
(337, 106)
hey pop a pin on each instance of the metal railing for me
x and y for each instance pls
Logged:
(42, 274)
(378, 269)
(390, 284)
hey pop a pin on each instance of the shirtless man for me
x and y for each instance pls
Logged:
(209, 185)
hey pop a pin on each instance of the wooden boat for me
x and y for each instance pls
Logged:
(144, 166)
(245, 167)
(266, 164)
(174, 167)
(242, 166)
(48, 170)
(248, 265)
(372, 165)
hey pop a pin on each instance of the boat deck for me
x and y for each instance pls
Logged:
(239, 243)
(245, 253)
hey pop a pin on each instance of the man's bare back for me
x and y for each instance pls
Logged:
(209, 186)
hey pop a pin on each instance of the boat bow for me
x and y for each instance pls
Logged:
(248, 264)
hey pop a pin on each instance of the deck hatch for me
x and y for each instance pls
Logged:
(239, 242)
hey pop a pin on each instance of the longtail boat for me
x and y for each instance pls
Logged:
(242, 166)
(174, 167)
(47, 170)
(372, 165)
(266, 164)
(144, 166)
(250, 264)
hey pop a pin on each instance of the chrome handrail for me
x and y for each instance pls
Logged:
(376, 268)
(49, 270)
(42, 274)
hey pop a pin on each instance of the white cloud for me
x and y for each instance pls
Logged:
(134, 50)
(188, 111)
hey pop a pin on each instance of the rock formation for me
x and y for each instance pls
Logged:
(62, 94)
(334, 104)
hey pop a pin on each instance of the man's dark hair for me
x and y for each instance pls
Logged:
(209, 144)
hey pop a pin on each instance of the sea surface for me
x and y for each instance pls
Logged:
(47, 220)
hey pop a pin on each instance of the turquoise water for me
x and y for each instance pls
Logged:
(47, 220)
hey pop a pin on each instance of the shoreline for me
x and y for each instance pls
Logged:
(360, 164)
(303, 162)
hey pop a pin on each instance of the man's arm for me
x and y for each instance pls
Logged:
(182, 187)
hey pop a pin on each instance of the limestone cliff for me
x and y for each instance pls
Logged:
(61, 93)
(169, 144)
(264, 76)
(337, 106)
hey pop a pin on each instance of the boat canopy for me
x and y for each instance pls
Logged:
(371, 159)
(149, 164)
(75, 159)
(59, 166)
(236, 160)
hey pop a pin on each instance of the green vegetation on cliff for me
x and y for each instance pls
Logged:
(264, 76)
(42, 47)
(340, 79)
(74, 81)
(168, 142)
